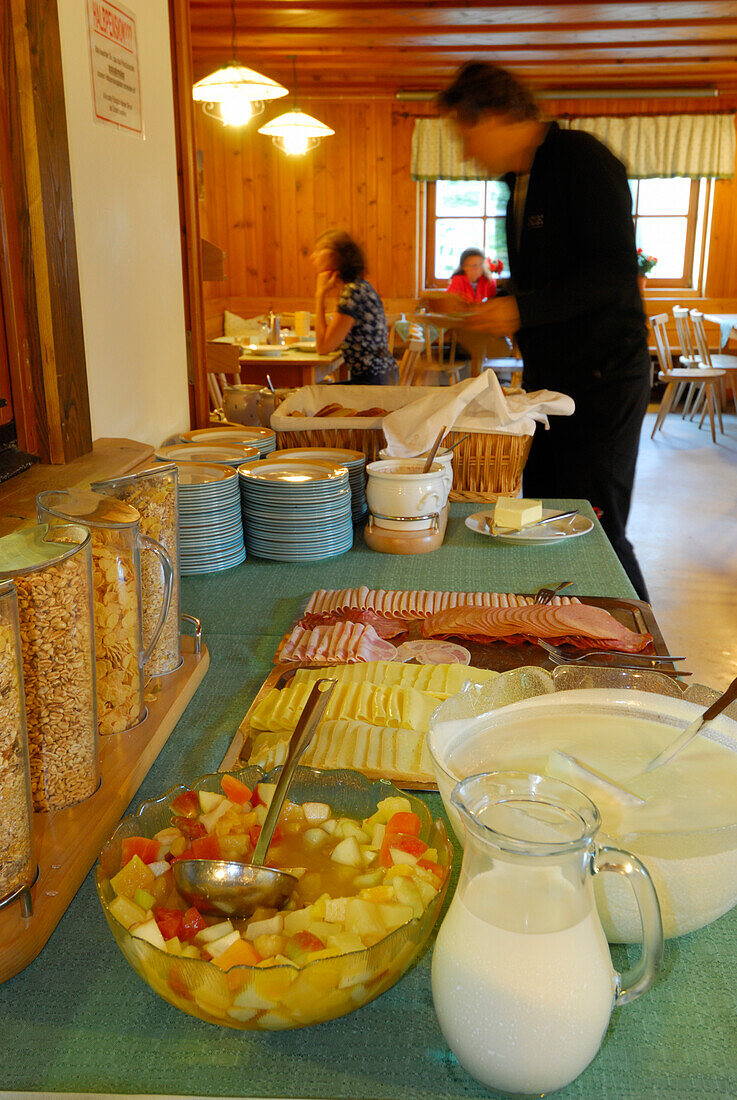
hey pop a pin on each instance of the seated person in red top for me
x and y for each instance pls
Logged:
(470, 281)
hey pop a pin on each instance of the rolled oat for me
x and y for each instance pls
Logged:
(17, 862)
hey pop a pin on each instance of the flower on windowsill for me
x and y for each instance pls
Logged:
(645, 264)
(495, 266)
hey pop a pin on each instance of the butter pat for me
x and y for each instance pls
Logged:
(514, 512)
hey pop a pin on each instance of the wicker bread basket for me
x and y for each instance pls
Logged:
(486, 465)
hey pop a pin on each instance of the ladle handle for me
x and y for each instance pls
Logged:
(434, 451)
(722, 702)
(308, 722)
(638, 979)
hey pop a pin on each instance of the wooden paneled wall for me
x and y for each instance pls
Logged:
(265, 208)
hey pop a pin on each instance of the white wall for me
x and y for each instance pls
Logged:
(126, 216)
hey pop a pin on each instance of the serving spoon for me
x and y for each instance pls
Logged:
(691, 730)
(234, 889)
(434, 451)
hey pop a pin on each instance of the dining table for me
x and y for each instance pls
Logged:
(727, 326)
(79, 1020)
(292, 367)
(484, 349)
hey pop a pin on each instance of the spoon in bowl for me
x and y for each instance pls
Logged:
(234, 889)
(691, 730)
(434, 451)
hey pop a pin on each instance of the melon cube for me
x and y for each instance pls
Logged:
(362, 917)
(214, 932)
(426, 891)
(315, 812)
(347, 852)
(218, 946)
(394, 914)
(346, 942)
(149, 931)
(407, 894)
(335, 910)
(297, 920)
(270, 927)
(126, 912)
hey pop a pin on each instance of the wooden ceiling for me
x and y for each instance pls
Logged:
(376, 48)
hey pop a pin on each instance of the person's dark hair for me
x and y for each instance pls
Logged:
(466, 255)
(349, 255)
(480, 88)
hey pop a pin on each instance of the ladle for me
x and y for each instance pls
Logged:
(434, 451)
(691, 730)
(228, 888)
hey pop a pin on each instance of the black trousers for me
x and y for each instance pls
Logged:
(592, 455)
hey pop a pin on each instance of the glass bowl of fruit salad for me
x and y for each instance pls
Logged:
(372, 868)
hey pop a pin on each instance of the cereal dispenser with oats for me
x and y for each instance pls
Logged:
(52, 570)
(154, 494)
(117, 543)
(17, 860)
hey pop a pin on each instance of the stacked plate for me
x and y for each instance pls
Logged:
(297, 509)
(263, 439)
(354, 462)
(230, 454)
(210, 525)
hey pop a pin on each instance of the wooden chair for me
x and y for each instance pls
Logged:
(433, 355)
(703, 377)
(725, 363)
(688, 357)
(223, 369)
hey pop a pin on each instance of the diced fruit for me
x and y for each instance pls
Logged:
(297, 921)
(174, 945)
(393, 914)
(347, 852)
(384, 892)
(178, 846)
(238, 953)
(335, 910)
(209, 819)
(426, 891)
(346, 942)
(193, 922)
(301, 944)
(323, 928)
(268, 946)
(313, 838)
(170, 922)
(217, 947)
(398, 856)
(377, 834)
(149, 930)
(315, 812)
(214, 931)
(209, 800)
(190, 827)
(269, 927)
(144, 899)
(126, 912)
(158, 867)
(263, 794)
(235, 790)
(329, 825)
(186, 804)
(404, 822)
(205, 847)
(390, 806)
(362, 917)
(142, 846)
(133, 875)
(408, 894)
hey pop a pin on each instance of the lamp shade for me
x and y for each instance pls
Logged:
(251, 85)
(295, 132)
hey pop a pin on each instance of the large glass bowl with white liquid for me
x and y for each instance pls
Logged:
(685, 832)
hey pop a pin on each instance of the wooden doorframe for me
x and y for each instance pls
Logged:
(39, 272)
(189, 216)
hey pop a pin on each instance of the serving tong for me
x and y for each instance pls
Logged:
(611, 658)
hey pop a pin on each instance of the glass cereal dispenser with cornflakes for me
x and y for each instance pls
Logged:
(117, 542)
(154, 494)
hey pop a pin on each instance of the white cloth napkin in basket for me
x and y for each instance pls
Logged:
(476, 405)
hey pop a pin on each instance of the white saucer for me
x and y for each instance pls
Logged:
(541, 536)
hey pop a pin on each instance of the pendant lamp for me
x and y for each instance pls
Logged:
(233, 94)
(295, 132)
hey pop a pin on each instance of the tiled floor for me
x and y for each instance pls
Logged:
(683, 525)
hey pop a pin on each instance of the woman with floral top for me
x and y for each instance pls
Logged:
(359, 325)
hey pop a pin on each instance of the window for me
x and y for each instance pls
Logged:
(464, 214)
(668, 217)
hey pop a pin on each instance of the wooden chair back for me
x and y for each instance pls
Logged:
(223, 369)
(659, 323)
(689, 355)
(702, 344)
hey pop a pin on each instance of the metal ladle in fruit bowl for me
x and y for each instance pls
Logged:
(233, 889)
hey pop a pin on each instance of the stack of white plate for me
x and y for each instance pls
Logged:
(263, 439)
(296, 510)
(210, 525)
(231, 454)
(354, 462)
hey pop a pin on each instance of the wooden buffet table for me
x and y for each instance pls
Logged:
(79, 1020)
(292, 367)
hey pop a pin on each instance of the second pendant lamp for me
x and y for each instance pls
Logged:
(295, 132)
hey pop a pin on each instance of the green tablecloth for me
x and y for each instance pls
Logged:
(78, 1018)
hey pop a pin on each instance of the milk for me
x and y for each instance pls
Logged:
(522, 980)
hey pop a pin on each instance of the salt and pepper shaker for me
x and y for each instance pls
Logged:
(274, 327)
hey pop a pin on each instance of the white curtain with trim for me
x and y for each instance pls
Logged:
(651, 146)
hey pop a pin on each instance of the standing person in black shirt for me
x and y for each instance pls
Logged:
(574, 303)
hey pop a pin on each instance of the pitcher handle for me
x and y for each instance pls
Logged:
(638, 979)
(167, 568)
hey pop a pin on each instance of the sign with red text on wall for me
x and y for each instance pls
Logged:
(116, 81)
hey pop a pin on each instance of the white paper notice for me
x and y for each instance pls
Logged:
(116, 82)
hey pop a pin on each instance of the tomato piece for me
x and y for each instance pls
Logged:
(186, 804)
(410, 844)
(189, 827)
(205, 847)
(192, 923)
(142, 846)
(235, 791)
(170, 922)
(255, 832)
(404, 822)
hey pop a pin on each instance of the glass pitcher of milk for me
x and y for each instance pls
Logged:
(522, 979)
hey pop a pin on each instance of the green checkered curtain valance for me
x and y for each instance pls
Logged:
(655, 146)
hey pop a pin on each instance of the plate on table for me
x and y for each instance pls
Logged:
(263, 350)
(305, 345)
(541, 536)
(294, 473)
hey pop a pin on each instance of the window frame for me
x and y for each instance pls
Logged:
(687, 282)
